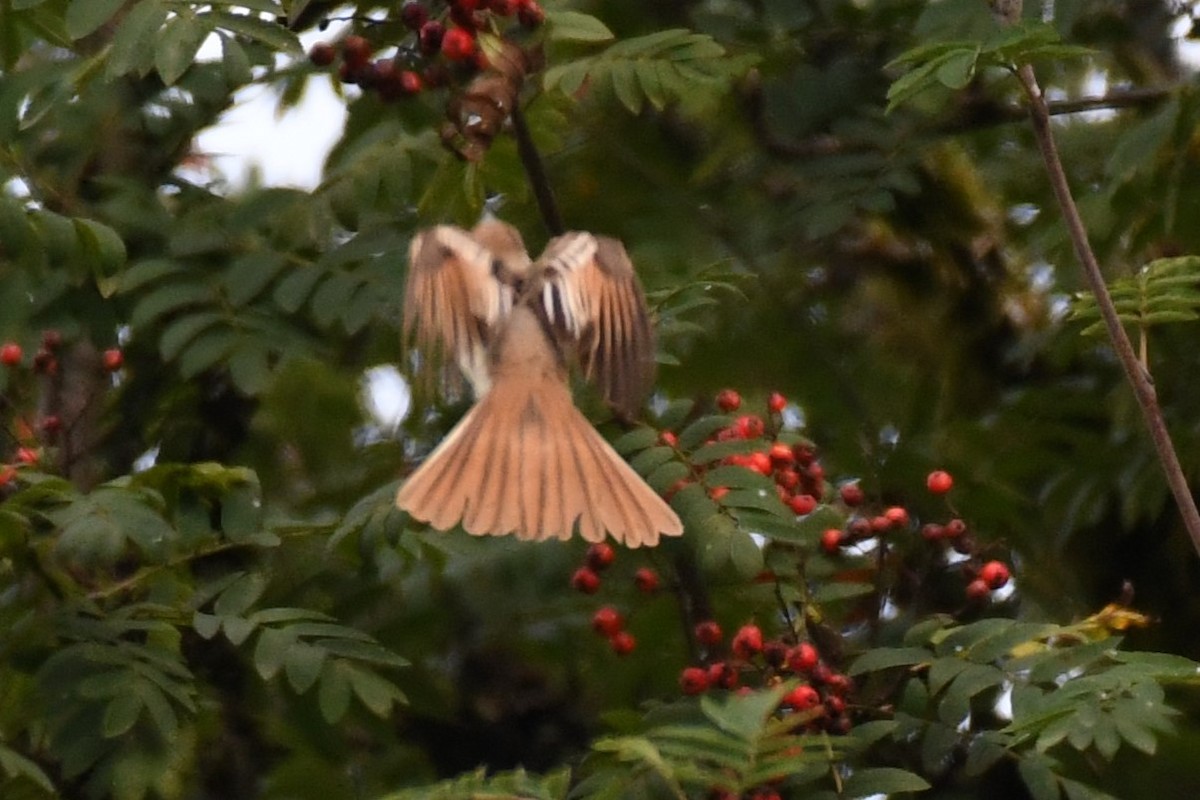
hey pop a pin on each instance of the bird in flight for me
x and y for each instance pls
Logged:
(524, 460)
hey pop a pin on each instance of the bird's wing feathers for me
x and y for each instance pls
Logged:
(453, 301)
(590, 292)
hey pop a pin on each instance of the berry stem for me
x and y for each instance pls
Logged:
(536, 172)
(1136, 373)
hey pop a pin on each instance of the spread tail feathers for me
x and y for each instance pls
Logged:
(524, 460)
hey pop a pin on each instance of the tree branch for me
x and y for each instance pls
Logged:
(1137, 375)
(536, 171)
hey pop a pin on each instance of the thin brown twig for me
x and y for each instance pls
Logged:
(1135, 372)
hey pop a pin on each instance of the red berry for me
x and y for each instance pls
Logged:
(978, 590)
(932, 531)
(939, 481)
(113, 359)
(356, 51)
(851, 494)
(994, 573)
(954, 528)
(749, 426)
(51, 423)
(322, 54)
(607, 621)
(835, 705)
(411, 82)
(600, 556)
(788, 478)
(859, 528)
(708, 633)
(717, 492)
(897, 516)
(585, 580)
(880, 524)
(729, 400)
(531, 14)
(781, 454)
(622, 643)
(839, 684)
(27, 455)
(669, 439)
(722, 675)
(761, 463)
(503, 8)
(430, 37)
(776, 402)
(802, 657)
(674, 488)
(802, 698)
(10, 354)
(458, 44)
(413, 15)
(693, 680)
(802, 504)
(805, 453)
(747, 641)
(831, 541)
(646, 580)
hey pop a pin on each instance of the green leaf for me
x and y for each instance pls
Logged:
(376, 693)
(121, 714)
(1035, 772)
(883, 780)
(333, 694)
(302, 664)
(105, 250)
(16, 765)
(133, 45)
(270, 651)
(177, 45)
(206, 625)
(240, 595)
(576, 26)
(273, 35)
(85, 16)
(881, 658)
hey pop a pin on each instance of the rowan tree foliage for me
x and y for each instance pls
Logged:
(929, 549)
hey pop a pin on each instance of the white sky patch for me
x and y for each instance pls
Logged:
(285, 148)
(146, 460)
(386, 396)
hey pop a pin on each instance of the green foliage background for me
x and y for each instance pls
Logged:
(188, 631)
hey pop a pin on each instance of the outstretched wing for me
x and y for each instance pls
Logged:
(590, 293)
(452, 302)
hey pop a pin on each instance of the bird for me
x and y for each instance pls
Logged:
(524, 460)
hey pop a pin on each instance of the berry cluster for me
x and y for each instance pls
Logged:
(799, 476)
(438, 49)
(607, 620)
(754, 660)
(31, 438)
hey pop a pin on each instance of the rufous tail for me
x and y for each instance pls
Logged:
(525, 461)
